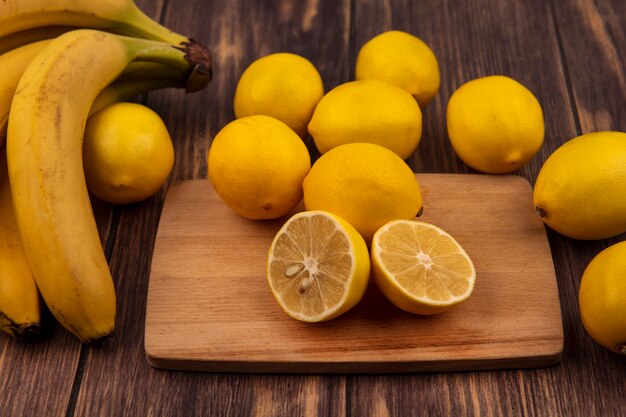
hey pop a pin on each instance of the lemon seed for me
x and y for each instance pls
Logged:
(293, 270)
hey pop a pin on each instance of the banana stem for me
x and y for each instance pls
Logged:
(197, 63)
(145, 27)
(125, 90)
(163, 54)
(138, 78)
(137, 71)
(118, 91)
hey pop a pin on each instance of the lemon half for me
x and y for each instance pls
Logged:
(421, 268)
(318, 266)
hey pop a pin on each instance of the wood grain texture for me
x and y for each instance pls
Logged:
(37, 377)
(117, 380)
(568, 52)
(598, 75)
(521, 40)
(209, 306)
(42, 377)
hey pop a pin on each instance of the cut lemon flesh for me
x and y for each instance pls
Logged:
(318, 266)
(420, 268)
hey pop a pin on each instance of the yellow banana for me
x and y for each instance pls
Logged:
(119, 16)
(125, 90)
(137, 78)
(44, 148)
(137, 71)
(11, 42)
(13, 65)
(19, 298)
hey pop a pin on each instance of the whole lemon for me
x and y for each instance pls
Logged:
(285, 86)
(127, 153)
(495, 124)
(257, 165)
(403, 60)
(367, 111)
(580, 188)
(602, 298)
(366, 184)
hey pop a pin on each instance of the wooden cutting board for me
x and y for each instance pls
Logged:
(210, 308)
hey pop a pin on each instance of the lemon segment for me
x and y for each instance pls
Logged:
(421, 268)
(318, 266)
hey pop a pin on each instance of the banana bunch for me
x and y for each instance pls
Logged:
(63, 60)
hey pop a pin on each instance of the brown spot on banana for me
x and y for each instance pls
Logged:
(19, 330)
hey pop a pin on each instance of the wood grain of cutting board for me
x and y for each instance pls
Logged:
(210, 308)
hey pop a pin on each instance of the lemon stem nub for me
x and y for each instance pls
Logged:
(621, 349)
(420, 212)
(541, 212)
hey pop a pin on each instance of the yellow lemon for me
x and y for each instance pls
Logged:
(403, 60)
(367, 111)
(495, 124)
(257, 165)
(127, 153)
(284, 86)
(318, 266)
(421, 268)
(580, 188)
(366, 184)
(602, 298)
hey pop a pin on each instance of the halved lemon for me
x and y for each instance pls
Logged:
(318, 266)
(421, 268)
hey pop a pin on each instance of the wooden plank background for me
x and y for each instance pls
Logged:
(570, 53)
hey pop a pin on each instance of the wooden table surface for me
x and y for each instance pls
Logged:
(569, 53)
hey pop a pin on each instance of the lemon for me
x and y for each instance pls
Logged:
(366, 184)
(495, 124)
(602, 298)
(257, 165)
(127, 153)
(403, 60)
(421, 268)
(318, 266)
(367, 111)
(282, 85)
(580, 188)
